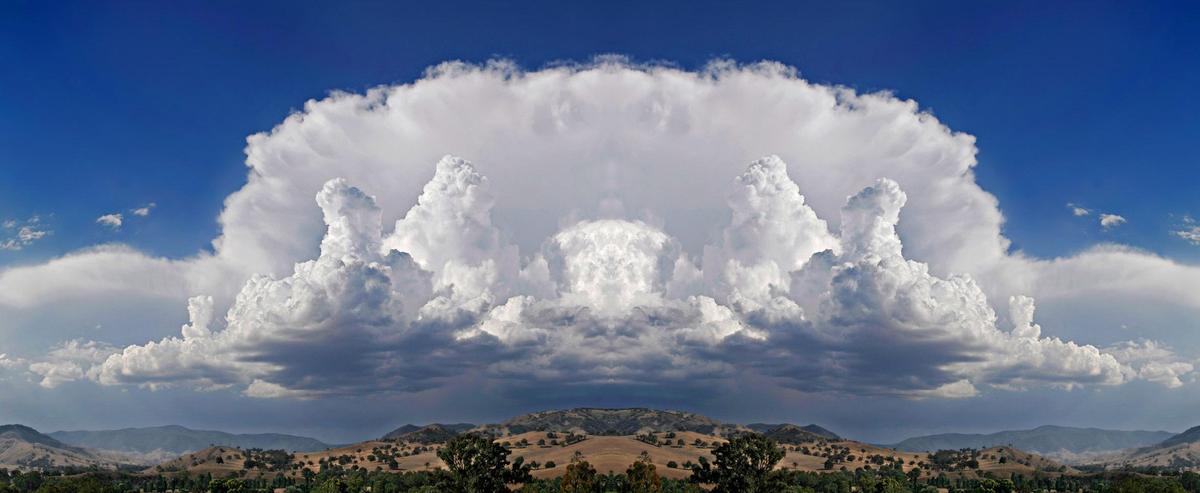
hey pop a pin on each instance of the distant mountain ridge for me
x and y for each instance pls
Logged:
(1043, 439)
(177, 439)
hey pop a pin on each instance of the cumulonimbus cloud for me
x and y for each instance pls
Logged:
(619, 237)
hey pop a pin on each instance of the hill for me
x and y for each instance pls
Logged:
(22, 447)
(611, 439)
(1061, 441)
(786, 431)
(608, 422)
(176, 440)
(1192, 435)
(1181, 451)
(434, 433)
(407, 430)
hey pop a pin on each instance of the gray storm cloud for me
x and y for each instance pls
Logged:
(607, 230)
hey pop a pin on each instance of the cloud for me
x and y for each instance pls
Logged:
(1158, 363)
(144, 210)
(1078, 210)
(18, 235)
(7, 362)
(851, 315)
(619, 238)
(1189, 231)
(69, 361)
(1109, 221)
(114, 220)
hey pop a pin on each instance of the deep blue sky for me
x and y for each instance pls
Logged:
(105, 106)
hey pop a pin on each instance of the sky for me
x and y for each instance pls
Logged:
(609, 232)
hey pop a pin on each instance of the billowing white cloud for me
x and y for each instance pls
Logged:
(1078, 210)
(853, 315)
(114, 220)
(1109, 221)
(69, 361)
(617, 238)
(1155, 362)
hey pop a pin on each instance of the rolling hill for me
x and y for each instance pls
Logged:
(611, 439)
(409, 430)
(175, 440)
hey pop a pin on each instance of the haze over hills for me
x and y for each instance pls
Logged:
(1059, 441)
(175, 440)
(1181, 451)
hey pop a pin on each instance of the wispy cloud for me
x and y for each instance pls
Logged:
(1189, 231)
(114, 220)
(18, 235)
(1078, 210)
(144, 210)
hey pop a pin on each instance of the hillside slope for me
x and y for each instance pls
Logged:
(1180, 451)
(22, 447)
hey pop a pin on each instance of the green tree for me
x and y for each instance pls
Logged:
(580, 477)
(742, 465)
(479, 465)
(642, 477)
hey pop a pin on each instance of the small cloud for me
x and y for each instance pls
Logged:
(113, 220)
(1078, 210)
(144, 210)
(1189, 231)
(18, 235)
(1109, 221)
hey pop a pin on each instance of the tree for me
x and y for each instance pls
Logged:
(580, 476)
(642, 476)
(914, 475)
(227, 486)
(742, 465)
(479, 465)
